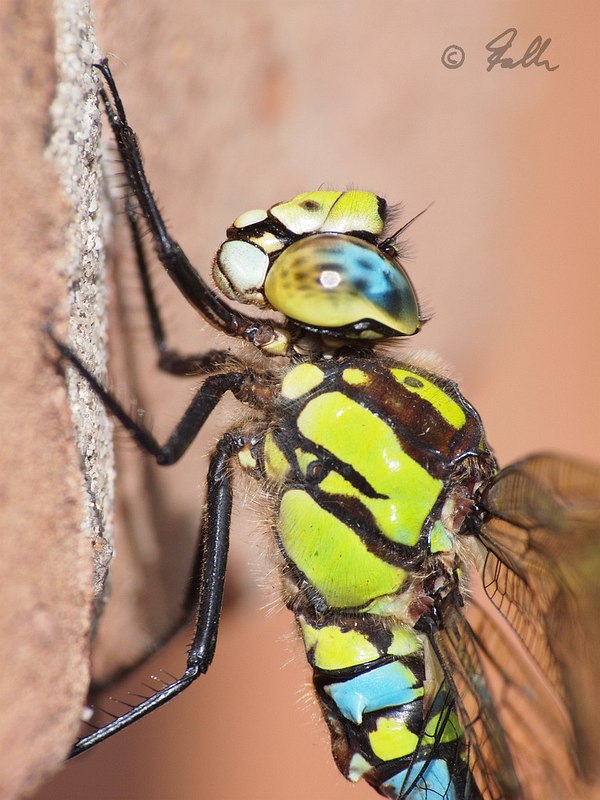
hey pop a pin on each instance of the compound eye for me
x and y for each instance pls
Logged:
(329, 281)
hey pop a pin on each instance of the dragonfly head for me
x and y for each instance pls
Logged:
(320, 260)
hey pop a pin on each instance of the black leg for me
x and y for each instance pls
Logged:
(212, 561)
(241, 384)
(169, 360)
(264, 334)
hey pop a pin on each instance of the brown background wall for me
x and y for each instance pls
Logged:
(239, 106)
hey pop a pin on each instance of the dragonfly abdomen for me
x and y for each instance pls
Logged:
(370, 682)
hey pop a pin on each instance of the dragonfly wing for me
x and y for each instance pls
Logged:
(541, 572)
(462, 655)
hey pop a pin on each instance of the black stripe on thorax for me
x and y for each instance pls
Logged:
(422, 431)
(351, 512)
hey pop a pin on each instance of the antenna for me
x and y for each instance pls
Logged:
(392, 238)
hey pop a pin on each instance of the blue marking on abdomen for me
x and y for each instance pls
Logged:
(382, 687)
(433, 782)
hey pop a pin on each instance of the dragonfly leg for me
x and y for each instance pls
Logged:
(169, 359)
(188, 427)
(209, 580)
(262, 333)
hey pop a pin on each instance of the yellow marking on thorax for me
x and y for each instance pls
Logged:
(300, 380)
(276, 465)
(358, 437)
(332, 555)
(304, 459)
(400, 519)
(355, 377)
(246, 459)
(439, 399)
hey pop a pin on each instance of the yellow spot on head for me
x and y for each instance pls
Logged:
(355, 211)
(306, 212)
(337, 212)
(267, 242)
(250, 218)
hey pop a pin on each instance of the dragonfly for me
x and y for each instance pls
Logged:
(448, 608)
